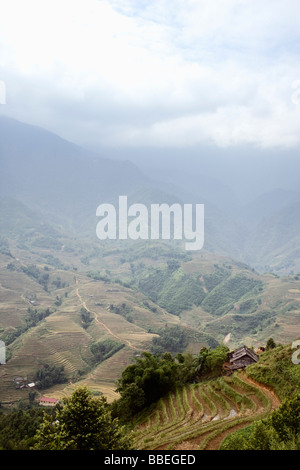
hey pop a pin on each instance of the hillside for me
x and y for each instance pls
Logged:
(74, 302)
(209, 414)
(149, 227)
(63, 184)
(274, 242)
(255, 193)
(200, 416)
(90, 298)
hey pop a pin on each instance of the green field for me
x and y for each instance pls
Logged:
(199, 416)
(205, 415)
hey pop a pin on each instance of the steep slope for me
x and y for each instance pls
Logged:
(64, 184)
(123, 297)
(200, 416)
(204, 415)
(57, 178)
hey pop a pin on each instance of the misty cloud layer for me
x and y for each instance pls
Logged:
(154, 73)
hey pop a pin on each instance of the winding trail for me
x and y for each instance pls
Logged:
(83, 303)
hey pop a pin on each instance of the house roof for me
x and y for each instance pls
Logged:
(48, 400)
(241, 352)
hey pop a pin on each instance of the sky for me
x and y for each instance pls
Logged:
(154, 73)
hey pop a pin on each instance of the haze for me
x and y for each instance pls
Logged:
(156, 74)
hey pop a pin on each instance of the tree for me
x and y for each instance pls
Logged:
(31, 396)
(210, 361)
(49, 375)
(133, 401)
(18, 427)
(200, 361)
(83, 422)
(143, 383)
(270, 344)
(171, 339)
(286, 419)
(85, 317)
(216, 358)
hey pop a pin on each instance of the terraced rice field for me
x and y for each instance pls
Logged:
(200, 416)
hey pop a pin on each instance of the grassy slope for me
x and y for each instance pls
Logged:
(201, 416)
(198, 416)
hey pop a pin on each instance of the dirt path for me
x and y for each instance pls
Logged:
(215, 443)
(83, 303)
(275, 402)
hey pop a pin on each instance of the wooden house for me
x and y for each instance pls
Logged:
(240, 358)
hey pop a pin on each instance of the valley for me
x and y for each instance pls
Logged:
(149, 228)
(122, 298)
(76, 310)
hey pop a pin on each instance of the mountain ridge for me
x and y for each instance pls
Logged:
(65, 183)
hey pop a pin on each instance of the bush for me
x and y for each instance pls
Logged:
(172, 339)
(49, 375)
(143, 383)
(105, 349)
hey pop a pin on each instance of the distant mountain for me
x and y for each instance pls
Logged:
(242, 172)
(274, 243)
(63, 184)
(58, 178)
(249, 188)
(267, 204)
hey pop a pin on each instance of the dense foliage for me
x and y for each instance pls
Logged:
(223, 297)
(171, 288)
(279, 431)
(276, 369)
(173, 339)
(49, 375)
(18, 427)
(146, 381)
(176, 290)
(85, 316)
(153, 376)
(105, 349)
(82, 423)
(209, 362)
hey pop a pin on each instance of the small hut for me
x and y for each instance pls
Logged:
(240, 358)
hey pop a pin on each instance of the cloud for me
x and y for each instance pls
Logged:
(154, 73)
